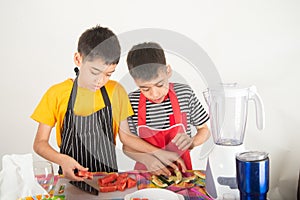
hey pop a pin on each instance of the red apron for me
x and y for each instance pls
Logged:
(162, 138)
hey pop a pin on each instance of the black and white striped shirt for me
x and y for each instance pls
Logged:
(157, 115)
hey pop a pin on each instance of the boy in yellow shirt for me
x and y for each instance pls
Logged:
(89, 112)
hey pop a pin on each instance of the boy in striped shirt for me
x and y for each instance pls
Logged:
(164, 112)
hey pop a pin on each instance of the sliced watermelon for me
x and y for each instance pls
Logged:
(108, 178)
(131, 182)
(121, 186)
(85, 174)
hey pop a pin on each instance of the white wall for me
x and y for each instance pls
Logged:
(250, 42)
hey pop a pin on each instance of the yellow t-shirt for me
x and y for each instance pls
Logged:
(53, 105)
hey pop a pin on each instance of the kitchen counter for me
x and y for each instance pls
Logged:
(65, 190)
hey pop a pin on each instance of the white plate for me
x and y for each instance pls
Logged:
(154, 194)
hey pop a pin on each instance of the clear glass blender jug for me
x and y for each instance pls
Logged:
(228, 108)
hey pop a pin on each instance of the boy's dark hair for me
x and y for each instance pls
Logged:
(145, 60)
(99, 42)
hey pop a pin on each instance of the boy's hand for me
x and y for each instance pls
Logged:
(183, 141)
(68, 166)
(155, 166)
(168, 158)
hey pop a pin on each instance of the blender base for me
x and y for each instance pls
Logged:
(221, 172)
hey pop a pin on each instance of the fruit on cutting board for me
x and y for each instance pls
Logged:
(158, 182)
(199, 174)
(189, 178)
(131, 182)
(108, 188)
(86, 174)
(162, 181)
(116, 181)
(107, 179)
(179, 179)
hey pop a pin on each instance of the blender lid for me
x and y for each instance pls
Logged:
(252, 156)
(231, 90)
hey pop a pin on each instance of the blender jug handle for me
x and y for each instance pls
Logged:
(259, 107)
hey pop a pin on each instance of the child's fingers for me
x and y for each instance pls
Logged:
(165, 171)
(182, 165)
(81, 168)
(159, 169)
(185, 144)
(173, 165)
(72, 176)
(180, 138)
(176, 138)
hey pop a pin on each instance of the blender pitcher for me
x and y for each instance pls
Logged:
(228, 107)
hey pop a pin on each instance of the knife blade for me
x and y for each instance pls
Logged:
(93, 183)
(85, 187)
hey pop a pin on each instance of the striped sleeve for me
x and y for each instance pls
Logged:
(132, 120)
(198, 114)
(132, 125)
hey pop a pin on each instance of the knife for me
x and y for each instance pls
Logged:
(86, 186)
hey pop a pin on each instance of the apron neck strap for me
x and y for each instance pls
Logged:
(174, 102)
(105, 96)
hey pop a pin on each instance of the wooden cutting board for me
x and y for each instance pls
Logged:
(71, 192)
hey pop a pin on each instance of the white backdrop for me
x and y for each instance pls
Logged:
(250, 42)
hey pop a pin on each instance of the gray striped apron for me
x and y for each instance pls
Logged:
(90, 139)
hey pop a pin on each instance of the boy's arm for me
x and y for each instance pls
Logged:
(42, 147)
(135, 143)
(201, 136)
(184, 142)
